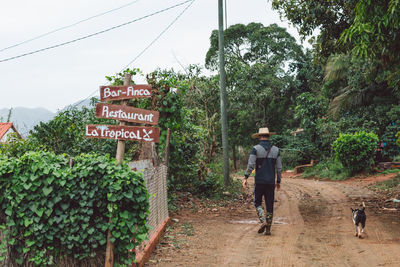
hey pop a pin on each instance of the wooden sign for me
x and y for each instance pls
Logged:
(126, 113)
(125, 92)
(118, 132)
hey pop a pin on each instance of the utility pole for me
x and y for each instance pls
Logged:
(224, 117)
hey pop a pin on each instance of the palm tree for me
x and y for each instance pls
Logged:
(337, 69)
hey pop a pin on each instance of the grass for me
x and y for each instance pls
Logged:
(387, 185)
(171, 238)
(327, 169)
(187, 229)
(388, 171)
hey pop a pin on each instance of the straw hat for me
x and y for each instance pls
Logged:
(261, 132)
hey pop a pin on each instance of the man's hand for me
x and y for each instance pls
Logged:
(278, 186)
(245, 184)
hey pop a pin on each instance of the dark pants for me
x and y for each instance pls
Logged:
(268, 191)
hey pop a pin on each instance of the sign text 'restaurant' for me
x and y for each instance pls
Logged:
(125, 92)
(132, 133)
(126, 113)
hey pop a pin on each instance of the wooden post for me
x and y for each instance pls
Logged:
(119, 157)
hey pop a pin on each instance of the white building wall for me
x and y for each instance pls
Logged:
(4, 138)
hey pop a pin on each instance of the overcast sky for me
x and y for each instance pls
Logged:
(58, 77)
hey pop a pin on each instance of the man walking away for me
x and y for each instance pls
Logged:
(266, 159)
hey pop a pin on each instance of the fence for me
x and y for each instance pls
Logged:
(156, 183)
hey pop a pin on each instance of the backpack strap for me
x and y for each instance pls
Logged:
(269, 150)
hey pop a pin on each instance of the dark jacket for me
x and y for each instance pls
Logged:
(266, 165)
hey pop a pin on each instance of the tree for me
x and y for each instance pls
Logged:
(202, 99)
(9, 115)
(330, 17)
(308, 110)
(65, 133)
(375, 34)
(254, 44)
(261, 64)
(375, 31)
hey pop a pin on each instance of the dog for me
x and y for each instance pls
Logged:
(359, 217)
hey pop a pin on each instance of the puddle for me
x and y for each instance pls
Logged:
(277, 220)
(245, 222)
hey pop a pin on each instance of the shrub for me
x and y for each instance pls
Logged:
(52, 214)
(15, 147)
(65, 133)
(297, 151)
(291, 158)
(209, 186)
(391, 149)
(356, 151)
(398, 139)
(327, 169)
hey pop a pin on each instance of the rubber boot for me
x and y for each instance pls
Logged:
(260, 213)
(268, 223)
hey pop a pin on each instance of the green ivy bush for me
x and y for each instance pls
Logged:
(55, 215)
(356, 151)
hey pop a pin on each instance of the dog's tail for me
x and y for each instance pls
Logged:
(363, 204)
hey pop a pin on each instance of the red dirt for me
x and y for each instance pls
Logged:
(312, 227)
(371, 179)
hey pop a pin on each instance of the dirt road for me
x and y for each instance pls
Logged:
(312, 227)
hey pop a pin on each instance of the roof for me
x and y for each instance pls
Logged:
(5, 126)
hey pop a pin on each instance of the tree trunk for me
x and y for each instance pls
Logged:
(234, 157)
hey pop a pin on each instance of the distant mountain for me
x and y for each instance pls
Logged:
(25, 119)
(80, 104)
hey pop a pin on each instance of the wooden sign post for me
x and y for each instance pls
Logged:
(123, 113)
(119, 157)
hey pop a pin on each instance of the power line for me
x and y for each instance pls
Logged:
(158, 37)
(68, 26)
(94, 34)
(180, 64)
(80, 102)
(144, 50)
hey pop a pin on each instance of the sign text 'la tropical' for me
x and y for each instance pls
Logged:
(131, 133)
